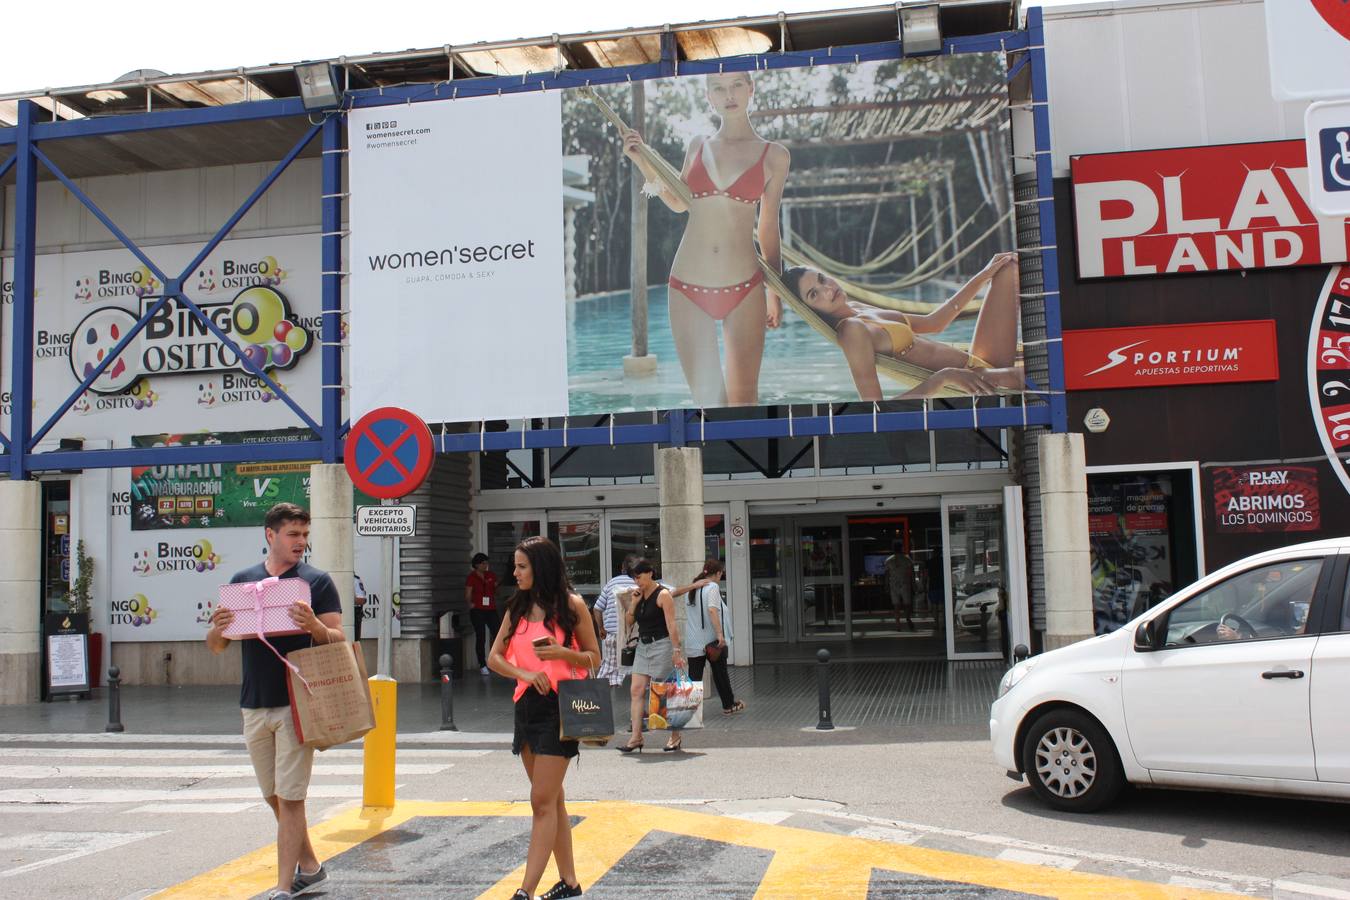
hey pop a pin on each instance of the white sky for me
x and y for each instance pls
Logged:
(79, 42)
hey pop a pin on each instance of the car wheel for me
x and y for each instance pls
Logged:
(1071, 762)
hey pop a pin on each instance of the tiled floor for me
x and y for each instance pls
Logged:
(780, 696)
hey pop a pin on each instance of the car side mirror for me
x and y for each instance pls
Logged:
(1146, 637)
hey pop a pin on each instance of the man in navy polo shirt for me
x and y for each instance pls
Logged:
(281, 764)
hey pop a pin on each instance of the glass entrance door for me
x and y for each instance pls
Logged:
(976, 588)
(770, 558)
(824, 609)
(577, 535)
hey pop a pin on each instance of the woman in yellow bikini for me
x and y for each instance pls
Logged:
(736, 178)
(864, 331)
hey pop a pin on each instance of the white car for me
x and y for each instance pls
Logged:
(1239, 682)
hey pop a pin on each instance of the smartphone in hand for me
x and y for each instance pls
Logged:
(542, 641)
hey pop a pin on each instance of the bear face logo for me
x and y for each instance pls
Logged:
(94, 339)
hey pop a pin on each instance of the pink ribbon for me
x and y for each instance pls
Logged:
(260, 588)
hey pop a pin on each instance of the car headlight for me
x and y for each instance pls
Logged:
(1015, 674)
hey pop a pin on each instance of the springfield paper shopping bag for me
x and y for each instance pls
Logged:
(330, 699)
(585, 710)
(676, 703)
(261, 607)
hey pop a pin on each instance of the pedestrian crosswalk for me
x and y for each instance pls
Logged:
(155, 775)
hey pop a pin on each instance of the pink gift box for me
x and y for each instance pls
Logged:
(263, 606)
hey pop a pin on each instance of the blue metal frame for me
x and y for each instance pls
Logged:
(680, 427)
(1045, 207)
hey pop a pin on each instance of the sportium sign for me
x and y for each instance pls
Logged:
(1203, 353)
(1199, 209)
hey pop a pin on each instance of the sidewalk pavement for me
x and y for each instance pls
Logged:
(869, 701)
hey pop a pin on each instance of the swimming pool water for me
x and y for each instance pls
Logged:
(799, 365)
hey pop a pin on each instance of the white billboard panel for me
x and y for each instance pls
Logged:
(457, 258)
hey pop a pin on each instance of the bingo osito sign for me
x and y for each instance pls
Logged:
(1199, 209)
(1266, 498)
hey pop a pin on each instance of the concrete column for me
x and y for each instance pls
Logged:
(20, 590)
(332, 533)
(1064, 520)
(680, 481)
(738, 586)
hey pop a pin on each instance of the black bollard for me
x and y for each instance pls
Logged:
(1020, 652)
(447, 701)
(823, 690)
(114, 700)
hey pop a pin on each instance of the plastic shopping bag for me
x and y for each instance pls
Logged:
(676, 703)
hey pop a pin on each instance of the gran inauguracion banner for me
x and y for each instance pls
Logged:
(821, 234)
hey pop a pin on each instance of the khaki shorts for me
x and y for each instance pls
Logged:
(281, 763)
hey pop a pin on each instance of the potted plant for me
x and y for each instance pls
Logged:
(78, 600)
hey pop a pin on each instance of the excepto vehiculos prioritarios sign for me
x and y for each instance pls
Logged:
(1199, 209)
(1156, 355)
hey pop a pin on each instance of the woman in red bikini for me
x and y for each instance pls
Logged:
(547, 638)
(864, 331)
(715, 276)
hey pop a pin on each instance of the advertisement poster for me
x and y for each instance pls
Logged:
(1250, 499)
(1130, 543)
(263, 292)
(829, 233)
(164, 583)
(215, 495)
(457, 258)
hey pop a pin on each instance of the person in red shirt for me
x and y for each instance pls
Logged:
(480, 593)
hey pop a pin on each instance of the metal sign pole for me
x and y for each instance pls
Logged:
(384, 664)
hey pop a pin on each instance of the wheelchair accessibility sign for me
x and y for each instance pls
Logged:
(1327, 135)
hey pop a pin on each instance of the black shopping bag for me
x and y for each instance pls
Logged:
(585, 710)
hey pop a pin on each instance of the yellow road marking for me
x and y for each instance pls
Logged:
(805, 862)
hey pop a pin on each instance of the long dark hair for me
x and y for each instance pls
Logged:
(711, 566)
(550, 590)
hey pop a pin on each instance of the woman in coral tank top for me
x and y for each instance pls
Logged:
(547, 637)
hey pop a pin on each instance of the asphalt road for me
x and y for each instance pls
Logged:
(125, 817)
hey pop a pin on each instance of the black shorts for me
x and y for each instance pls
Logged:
(537, 725)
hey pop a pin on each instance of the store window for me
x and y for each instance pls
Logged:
(1141, 534)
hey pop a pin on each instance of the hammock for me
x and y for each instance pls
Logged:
(906, 373)
(888, 256)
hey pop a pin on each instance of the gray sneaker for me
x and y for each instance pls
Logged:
(275, 894)
(304, 884)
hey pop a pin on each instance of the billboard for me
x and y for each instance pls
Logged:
(823, 234)
(1199, 209)
(263, 292)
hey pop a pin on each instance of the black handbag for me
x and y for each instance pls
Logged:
(585, 710)
(628, 655)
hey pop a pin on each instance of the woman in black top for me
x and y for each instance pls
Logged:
(659, 649)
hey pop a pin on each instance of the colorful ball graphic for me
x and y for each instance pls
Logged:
(256, 313)
(283, 327)
(281, 355)
(257, 354)
(268, 265)
(297, 339)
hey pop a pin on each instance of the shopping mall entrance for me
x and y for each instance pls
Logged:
(922, 583)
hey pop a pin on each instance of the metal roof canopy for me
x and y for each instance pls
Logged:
(268, 129)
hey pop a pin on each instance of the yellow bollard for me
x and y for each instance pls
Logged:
(381, 744)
